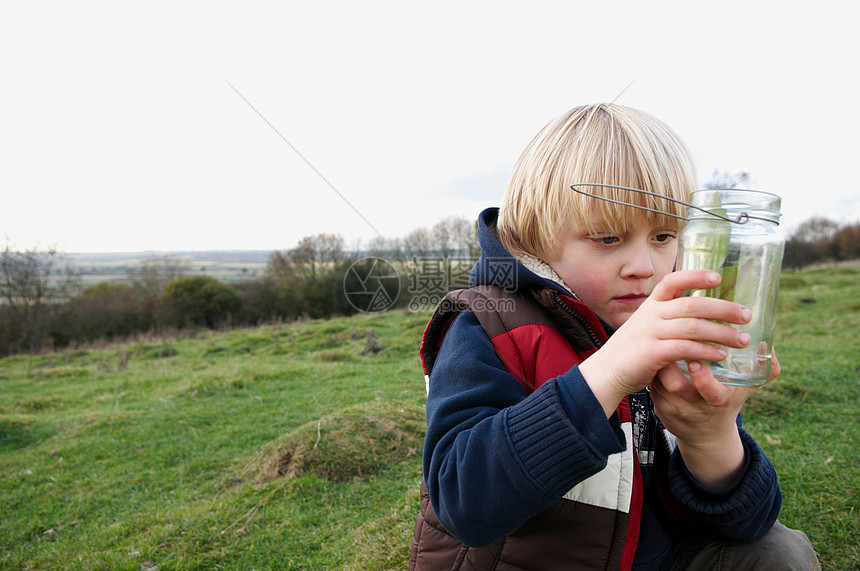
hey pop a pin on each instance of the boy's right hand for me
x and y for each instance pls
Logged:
(666, 328)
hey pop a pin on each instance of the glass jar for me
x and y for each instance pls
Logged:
(735, 232)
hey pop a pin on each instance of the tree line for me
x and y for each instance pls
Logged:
(821, 240)
(817, 240)
(44, 306)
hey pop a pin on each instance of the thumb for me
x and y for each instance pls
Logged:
(710, 389)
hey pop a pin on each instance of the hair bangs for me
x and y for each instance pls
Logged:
(603, 151)
(621, 207)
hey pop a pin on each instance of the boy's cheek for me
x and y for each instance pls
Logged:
(669, 260)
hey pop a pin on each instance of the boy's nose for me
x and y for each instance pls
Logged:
(639, 263)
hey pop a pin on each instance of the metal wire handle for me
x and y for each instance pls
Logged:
(742, 217)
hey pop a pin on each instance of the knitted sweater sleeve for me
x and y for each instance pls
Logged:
(493, 456)
(744, 511)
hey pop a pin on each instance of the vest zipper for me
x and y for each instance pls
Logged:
(582, 321)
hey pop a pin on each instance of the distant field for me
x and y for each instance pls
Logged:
(299, 446)
(224, 266)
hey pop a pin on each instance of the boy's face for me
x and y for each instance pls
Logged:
(613, 274)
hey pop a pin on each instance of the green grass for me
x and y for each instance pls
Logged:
(298, 446)
(806, 420)
(161, 454)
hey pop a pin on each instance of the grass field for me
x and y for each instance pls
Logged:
(298, 446)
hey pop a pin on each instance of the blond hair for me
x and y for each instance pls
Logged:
(601, 144)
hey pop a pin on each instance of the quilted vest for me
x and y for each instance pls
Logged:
(539, 335)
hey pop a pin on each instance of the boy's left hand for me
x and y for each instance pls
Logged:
(701, 412)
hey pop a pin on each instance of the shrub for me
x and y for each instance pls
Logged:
(108, 310)
(324, 297)
(199, 301)
(266, 300)
(12, 336)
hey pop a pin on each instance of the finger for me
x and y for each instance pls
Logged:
(692, 349)
(673, 393)
(707, 308)
(676, 283)
(671, 379)
(775, 367)
(704, 330)
(711, 390)
(663, 386)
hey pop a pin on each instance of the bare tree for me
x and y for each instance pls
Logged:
(308, 259)
(418, 244)
(817, 230)
(280, 269)
(390, 249)
(473, 242)
(451, 236)
(315, 253)
(848, 240)
(31, 279)
(726, 179)
(153, 273)
(820, 233)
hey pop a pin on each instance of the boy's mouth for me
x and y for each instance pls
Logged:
(631, 298)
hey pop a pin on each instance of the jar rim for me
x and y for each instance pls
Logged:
(746, 203)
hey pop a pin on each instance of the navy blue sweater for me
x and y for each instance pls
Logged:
(494, 457)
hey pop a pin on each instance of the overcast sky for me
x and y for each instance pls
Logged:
(213, 125)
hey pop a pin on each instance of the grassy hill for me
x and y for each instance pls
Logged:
(298, 446)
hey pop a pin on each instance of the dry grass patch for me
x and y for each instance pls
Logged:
(350, 444)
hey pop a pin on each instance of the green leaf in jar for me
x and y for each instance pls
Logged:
(728, 286)
(713, 250)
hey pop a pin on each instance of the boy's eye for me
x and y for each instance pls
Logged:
(664, 237)
(606, 240)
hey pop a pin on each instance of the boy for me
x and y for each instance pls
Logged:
(560, 432)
